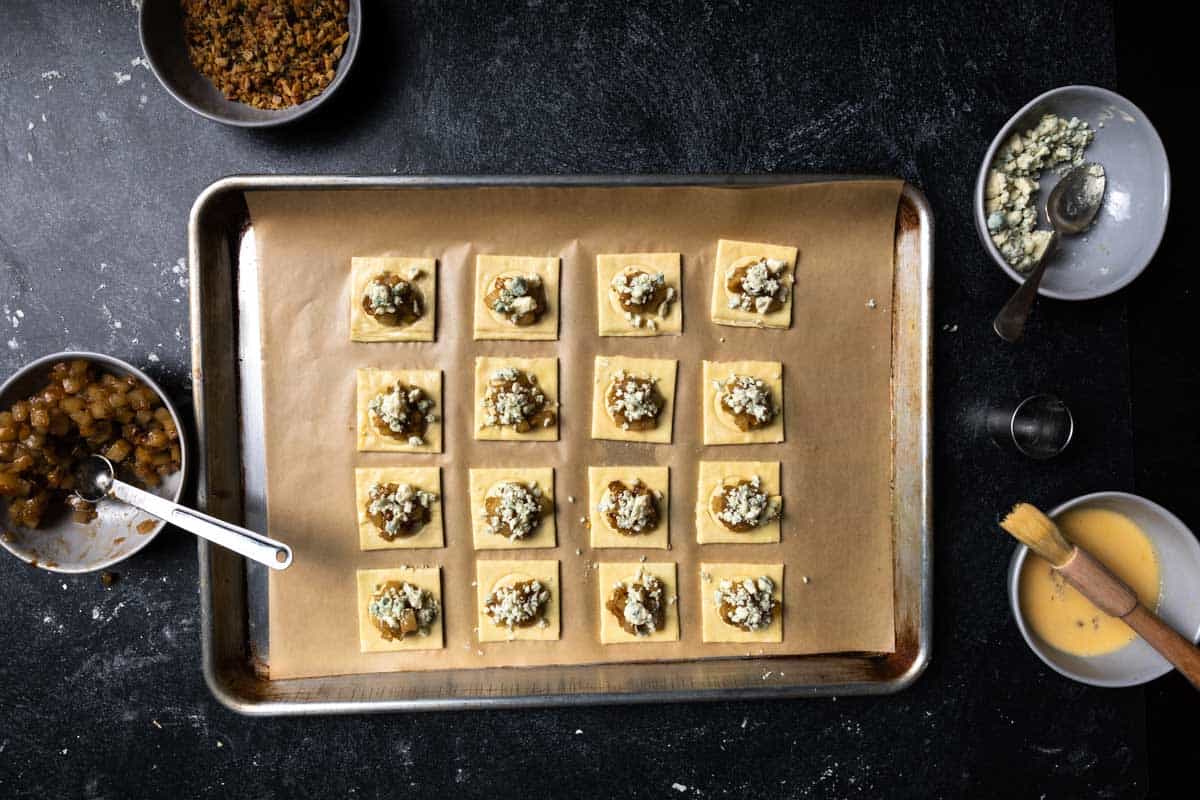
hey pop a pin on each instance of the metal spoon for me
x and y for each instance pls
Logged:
(95, 480)
(1070, 208)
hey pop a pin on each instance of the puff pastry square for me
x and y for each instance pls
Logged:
(729, 251)
(611, 574)
(719, 425)
(715, 474)
(491, 574)
(489, 324)
(612, 319)
(545, 370)
(715, 629)
(481, 480)
(429, 479)
(369, 638)
(372, 382)
(604, 426)
(420, 272)
(602, 535)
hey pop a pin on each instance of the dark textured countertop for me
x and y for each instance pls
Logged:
(100, 689)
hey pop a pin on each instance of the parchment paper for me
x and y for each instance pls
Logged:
(836, 461)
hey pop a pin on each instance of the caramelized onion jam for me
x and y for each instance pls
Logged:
(81, 412)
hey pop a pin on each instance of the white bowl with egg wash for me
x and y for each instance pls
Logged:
(1133, 215)
(1171, 556)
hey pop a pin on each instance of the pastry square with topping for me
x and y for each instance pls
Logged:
(393, 299)
(741, 602)
(753, 284)
(742, 402)
(516, 297)
(400, 410)
(512, 508)
(399, 508)
(517, 600)
(400, 609)
(639, 602)
(639, 294)
(516, 399)
(738, 502)
(629, 507)
(633, 399)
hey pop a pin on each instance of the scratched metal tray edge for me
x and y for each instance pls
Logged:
(226, 658)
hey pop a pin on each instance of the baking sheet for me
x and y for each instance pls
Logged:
(836, 460)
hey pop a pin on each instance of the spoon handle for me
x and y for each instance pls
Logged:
(1010, 322)
(263, 549)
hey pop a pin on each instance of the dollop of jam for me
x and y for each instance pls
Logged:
(748, 400)
(398, 510)
(640, 604)
(402, 412)
(758, 285)
(399, 609)
(746, 603)
(520, 299)
(630, 510)
(520, 605)
(514, 510)
(392, 300)
(633, 401)
(513, 398)
(743, 506)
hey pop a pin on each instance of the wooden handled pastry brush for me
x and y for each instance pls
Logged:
(1093, 580)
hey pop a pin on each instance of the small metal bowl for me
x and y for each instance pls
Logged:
(62, 545)
(1178, 555)
(1133, 217)
(160, 27)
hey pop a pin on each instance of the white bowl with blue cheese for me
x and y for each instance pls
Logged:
(1053, 133)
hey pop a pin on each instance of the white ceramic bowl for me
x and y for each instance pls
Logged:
(1133, 217)
(1178, 555)
(61, 545)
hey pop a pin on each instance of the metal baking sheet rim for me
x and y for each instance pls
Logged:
(914, 514)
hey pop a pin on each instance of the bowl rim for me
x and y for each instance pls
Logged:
(1045, 651)
(981, 183)
(286, 115)
(112, 361)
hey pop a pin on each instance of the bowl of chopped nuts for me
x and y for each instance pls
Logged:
(250, 63)
(1054, 132)
(54, 413)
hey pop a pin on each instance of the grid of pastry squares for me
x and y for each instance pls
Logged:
(516, 399)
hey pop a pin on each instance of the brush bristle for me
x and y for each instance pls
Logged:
(1033, 528)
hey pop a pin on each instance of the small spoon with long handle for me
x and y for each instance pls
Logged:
(1071, 207)
(95, 480)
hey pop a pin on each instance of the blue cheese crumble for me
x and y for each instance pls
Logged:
(745, 505)
(641, 295)
(747, 398)
(401, 509)
(514, 297)
(519, 605)
(631, 510)
(757, 285)
(513, 510)
(1010, 201)
(399, 609)
(633, 399)
(746, 603)
(403, 410)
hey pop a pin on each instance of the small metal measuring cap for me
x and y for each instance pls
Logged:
(1040, 426)
(94, 478)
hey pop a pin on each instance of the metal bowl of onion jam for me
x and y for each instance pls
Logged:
(53, 411)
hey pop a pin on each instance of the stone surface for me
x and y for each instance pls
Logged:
(100, 690)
